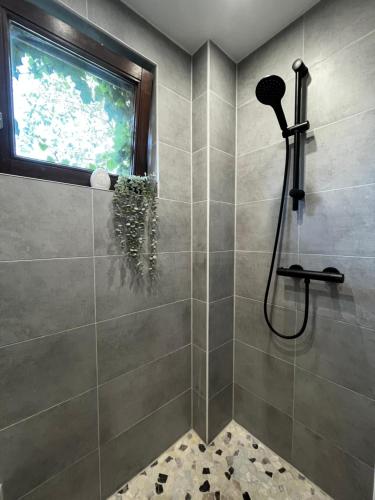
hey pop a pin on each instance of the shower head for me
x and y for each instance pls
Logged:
(270, 90)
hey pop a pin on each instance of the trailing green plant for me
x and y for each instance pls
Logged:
(136, 221)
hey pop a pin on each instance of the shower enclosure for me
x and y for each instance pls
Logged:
(99, 378)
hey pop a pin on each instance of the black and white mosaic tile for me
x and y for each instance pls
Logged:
(233, 467)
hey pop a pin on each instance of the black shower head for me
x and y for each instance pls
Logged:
(270, 90)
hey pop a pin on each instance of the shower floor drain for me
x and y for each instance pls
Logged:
(234, 466)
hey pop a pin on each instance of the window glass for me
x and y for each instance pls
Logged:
(67, 110)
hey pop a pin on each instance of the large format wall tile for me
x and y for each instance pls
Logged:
(117, 294)
(256, 227)
(220, 368)
(36, 375)
(221, 226)
(199, 323)
(336, 413)
(339, 474)
(222, 74)
(352, 301)
(125, 456)
(78, 482)
(128, 398)
(105, 241)
(274, 57)
(199, 107)
(257, 125)
(335, 23)
(268, 424)
(267, 377)
(252, 329)
(251, 278)
(221, 176)
(130, 341)
(222, 124)
(341, 154)
(79, 6)
(173, 226)
(260, 174)
(339, 222)
(31, 221)
(200, 226)
(123, 23)
(199, 415)
(37, 448)
(344, 84)
(221, 322)
(220, 411)
(200, 276)
(340, 352)
(174, 173)
(174, 116)
(199, 371)
(221, 275)
(42, 297)
(199, 69)
(199, 161)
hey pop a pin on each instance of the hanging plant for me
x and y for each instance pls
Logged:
(136, 221)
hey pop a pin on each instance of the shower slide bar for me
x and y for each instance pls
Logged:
(329, 274)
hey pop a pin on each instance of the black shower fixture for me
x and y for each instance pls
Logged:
(270, 91)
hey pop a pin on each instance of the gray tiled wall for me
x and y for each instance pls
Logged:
(312, 400)
(91, 367)
(214, 76)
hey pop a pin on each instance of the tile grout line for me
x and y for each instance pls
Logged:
(142, 310)
(95, 387)
(147, 416)
(208, 194)
(291, 363)
(47, 335)
(264, 400)
(96, 345)
(277, 306)
(310, 132)
(174, 147)
(235, 242)
(220, 391)
(45, 410)
(54, 476)
(191, 251)
(144, 365)
(186, 99)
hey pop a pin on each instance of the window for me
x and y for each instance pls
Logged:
(69, 105)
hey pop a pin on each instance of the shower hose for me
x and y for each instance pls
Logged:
(277, 236)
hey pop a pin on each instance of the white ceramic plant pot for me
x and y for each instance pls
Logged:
(100, 179)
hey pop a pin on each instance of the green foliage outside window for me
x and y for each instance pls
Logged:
(66, 110)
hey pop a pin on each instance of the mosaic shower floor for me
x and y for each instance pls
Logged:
(234, 466)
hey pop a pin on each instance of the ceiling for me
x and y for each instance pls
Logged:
(237, 26)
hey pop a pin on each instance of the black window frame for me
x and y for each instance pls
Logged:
(66, 36)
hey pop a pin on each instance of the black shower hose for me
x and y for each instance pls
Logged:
(277, 236)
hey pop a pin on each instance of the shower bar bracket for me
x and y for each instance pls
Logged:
(300, 127)
(329, 274)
